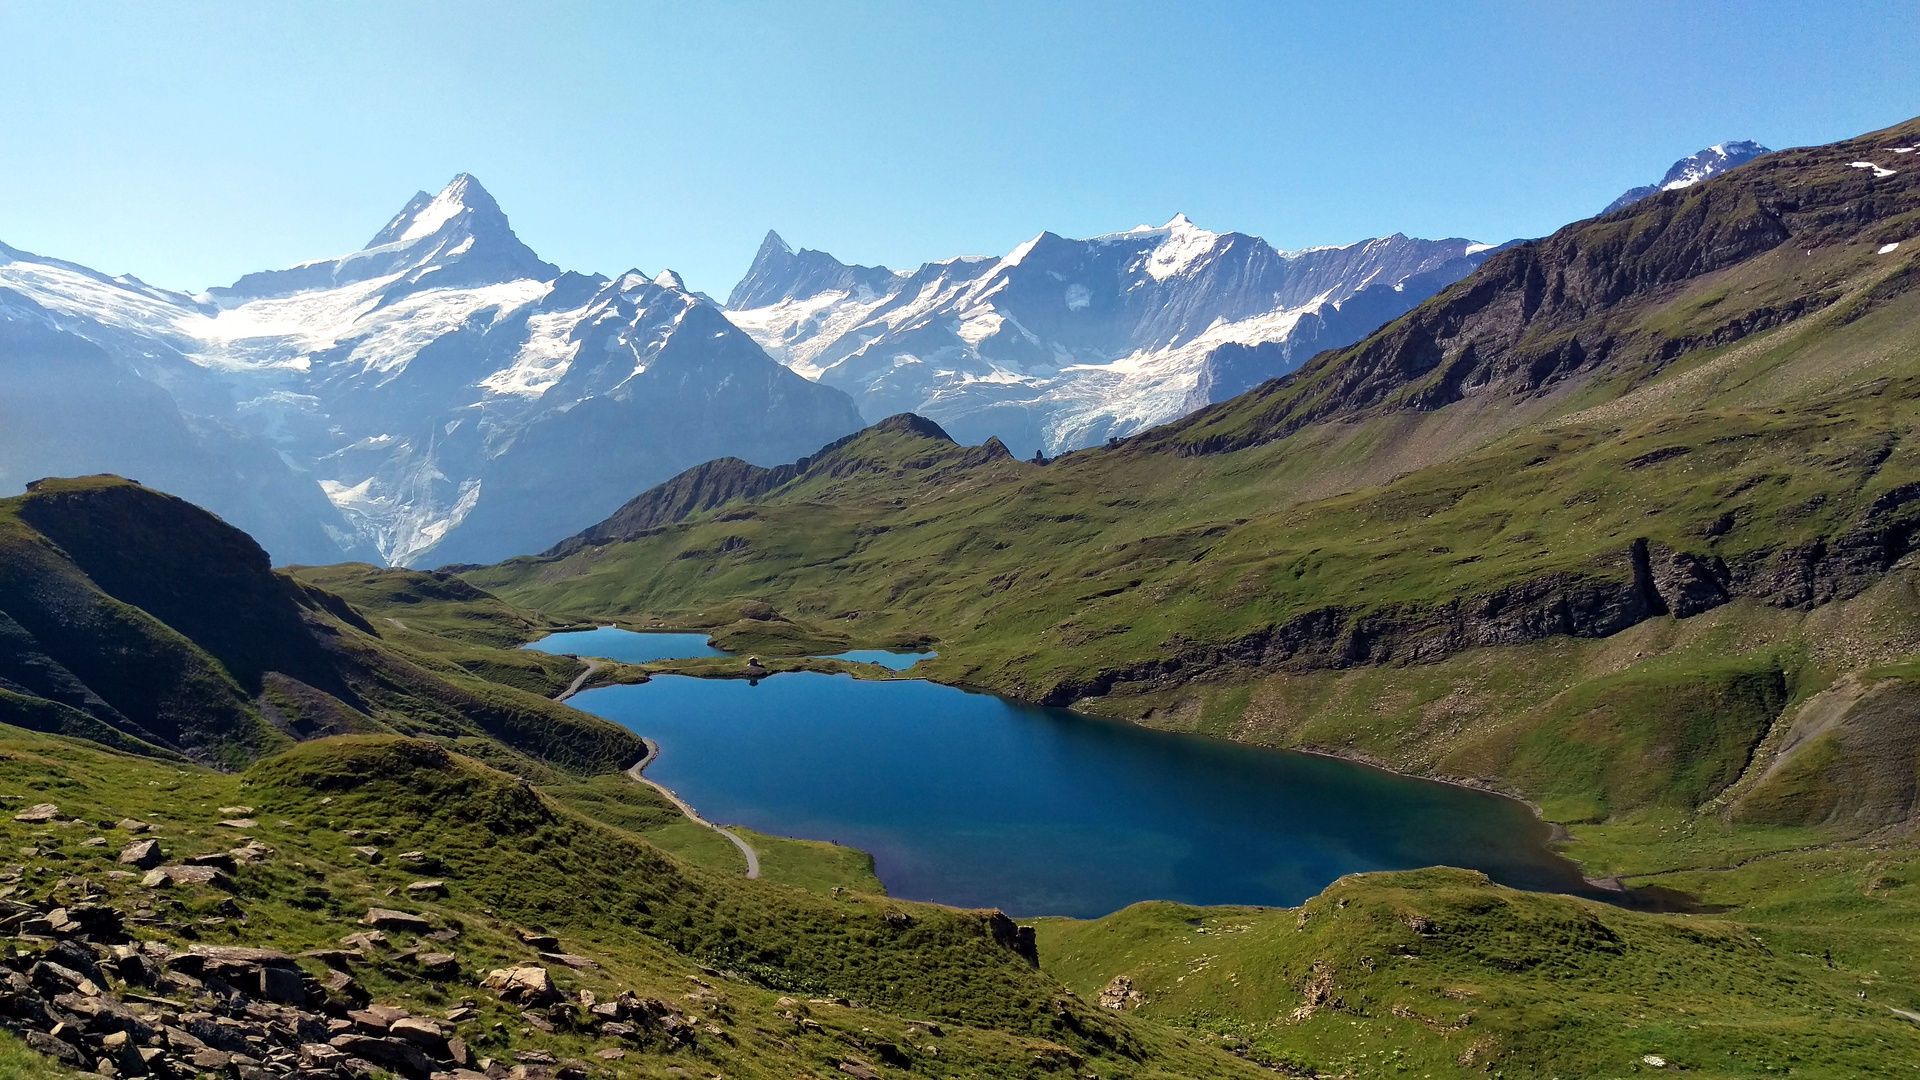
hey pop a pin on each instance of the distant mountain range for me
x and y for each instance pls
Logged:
(445, 395)
(440, 395)
(1692, 169)
(1061, 343)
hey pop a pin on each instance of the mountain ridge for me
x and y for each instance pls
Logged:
(1064, 343)
(441, 372)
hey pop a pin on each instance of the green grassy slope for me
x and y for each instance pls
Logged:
(1437, 973)
(733, 953)
(138, 621)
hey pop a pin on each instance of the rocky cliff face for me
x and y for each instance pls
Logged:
(1065, 343)
(450, 396)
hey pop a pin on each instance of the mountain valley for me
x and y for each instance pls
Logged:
(1620, 522)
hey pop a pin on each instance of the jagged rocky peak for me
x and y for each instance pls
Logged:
(456, 238)
(1694, 168)
(462, 205)
(781, 273)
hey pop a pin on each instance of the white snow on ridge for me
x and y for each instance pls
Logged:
(1186, 244)
(544, 359)
(444, 208)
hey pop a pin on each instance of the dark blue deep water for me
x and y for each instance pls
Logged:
(971, 800)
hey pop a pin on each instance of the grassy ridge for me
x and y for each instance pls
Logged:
(136, 620)
(1438, 973)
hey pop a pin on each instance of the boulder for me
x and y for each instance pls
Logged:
(38, 814)
(422, 1033)
(367, 852)
(145, 854)
(253, 852)
(398, 1053)
(284, 985)
(439, 965)
(569, 959)
(164, 876)
(427, 888)
(219, 860)
(525, 985)
(234, 954)
(388, 919)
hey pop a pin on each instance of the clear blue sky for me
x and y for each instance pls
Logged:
(191, 143)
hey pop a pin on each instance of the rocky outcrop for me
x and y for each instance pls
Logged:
(78, 990)
(1649, 579)
(1012, 936)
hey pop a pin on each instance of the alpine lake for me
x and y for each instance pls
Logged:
(968, 799)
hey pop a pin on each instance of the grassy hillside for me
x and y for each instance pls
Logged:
(775, 981)
(1437, 973)
(136, 620)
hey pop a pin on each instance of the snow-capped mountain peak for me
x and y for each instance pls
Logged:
(1694, 168)
(438, 389)
(1185, 245)
(1715, 159)
(1062, 343)
(457, 238)
(425, 215)
(780, 271)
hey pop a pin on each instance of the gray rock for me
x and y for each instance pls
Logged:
(145, 854)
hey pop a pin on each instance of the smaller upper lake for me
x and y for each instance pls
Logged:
(613, 643)
(627, 646)
(893, 661)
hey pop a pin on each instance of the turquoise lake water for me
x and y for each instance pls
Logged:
(626, 646)
(894, 661)
(968, 799)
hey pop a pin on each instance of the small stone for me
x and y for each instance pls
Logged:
(94, 841)
(367, 852)
(38, 814)
(236, 811)
(239, 823)
(133, 825)
(421, 1033)
(388, 919)
(427, 888)
(145, 854)
(439, 965)
(611, 1053)
(571, 960)
(526, 985)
